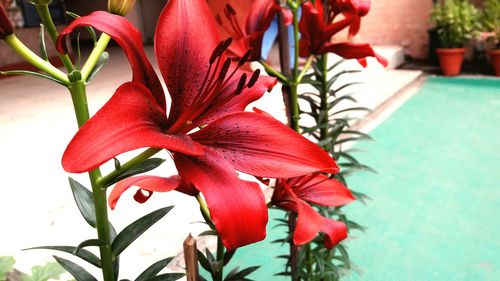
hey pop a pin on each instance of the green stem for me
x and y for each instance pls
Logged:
(99, 48)
(305, 69)
(271, 71)
(220, 258)
(145, 155)
(296, 43)
(48, 23)
(79, 97)
(323, 64)
(34, 59)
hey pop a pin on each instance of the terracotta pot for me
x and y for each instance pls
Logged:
(451, 60)
(495, 60)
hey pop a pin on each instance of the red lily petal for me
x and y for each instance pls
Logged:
(186, 36)
(129, 38)
(131, 119)
(335, 231)
(237, 207)
(335, 27)
(353, 51)
(325, 191)
(309, 222)
(262, 146)
(147, 183)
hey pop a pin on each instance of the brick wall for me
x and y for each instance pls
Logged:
(398, 22)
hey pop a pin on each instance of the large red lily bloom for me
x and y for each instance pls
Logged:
(5, 23)
(208, 91)
(316, 35)
(246, 21)
(295, 193)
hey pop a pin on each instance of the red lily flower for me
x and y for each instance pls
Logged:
(295, 193)
(6, 27)
(208, 91)
(246, 21)
(317, 33)
(353, 9)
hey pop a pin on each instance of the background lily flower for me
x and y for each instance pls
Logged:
(246, 21)
(316, 34)
(353, 9)
(208, 90)
(295, 194)
(6, 27)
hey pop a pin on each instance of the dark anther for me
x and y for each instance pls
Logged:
(241, 84)
(224, 69)
(254, 78)
(218, 19)
(221, 47)
(230, 9)
(244, 58)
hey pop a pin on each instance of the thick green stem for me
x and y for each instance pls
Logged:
(34, 59)
(271, 71)
(99, 48)
(79, 97)
(220, 258)
(44, 12)
(323, 64)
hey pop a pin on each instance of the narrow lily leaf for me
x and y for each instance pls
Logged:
(88, 243)
(118, 165)
(84, 200)
(144, 167)
(37, 74)
(353, 109)
(43, 48)
(89, 29)
(112, 232)
(82, 253)
(346, 86)
(208, 233)
(154, 269)
(204, 261)
(241, 274)
(77, 271)
(168, 277)
(101, 62)
(228, 256)
(135, 229)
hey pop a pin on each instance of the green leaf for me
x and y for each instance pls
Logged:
(37, 74)
(204, 261)
(154, 269)
(88, 243)
(145, 166)
(168, 277)
(51, 270)
(82, 253)
(101, 62)
(135, 229)
(74, 269)
(238, 275)
(43, 48)
(84, 200)
(208, 233)
(6, 266)
(228, 256)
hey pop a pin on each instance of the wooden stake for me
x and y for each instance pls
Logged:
(191, 259)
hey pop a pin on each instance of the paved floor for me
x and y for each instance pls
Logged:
(36, 205)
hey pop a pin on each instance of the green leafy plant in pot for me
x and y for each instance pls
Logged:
(490, 21)
(455, 21)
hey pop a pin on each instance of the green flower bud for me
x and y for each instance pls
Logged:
(120, 7)
(40, 2)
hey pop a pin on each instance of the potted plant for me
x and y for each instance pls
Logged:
(490, 20)
(455, 21)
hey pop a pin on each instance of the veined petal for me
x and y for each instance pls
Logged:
(237, 207)
(186, 36)
(147, 183)
(323, 190)
(131, 119)
(259, 145)
(129, 38)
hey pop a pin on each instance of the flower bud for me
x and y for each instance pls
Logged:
(40, 2)
(6, 27)
(120, 7)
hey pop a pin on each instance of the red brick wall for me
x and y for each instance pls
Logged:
(398, 22)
